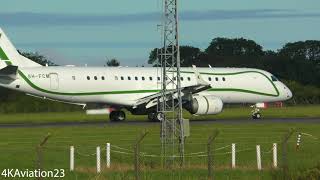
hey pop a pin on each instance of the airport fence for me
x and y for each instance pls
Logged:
(138, 160)
(139, 164)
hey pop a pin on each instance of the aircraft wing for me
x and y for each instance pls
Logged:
(152, 100)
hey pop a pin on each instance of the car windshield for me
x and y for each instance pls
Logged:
(273, 78)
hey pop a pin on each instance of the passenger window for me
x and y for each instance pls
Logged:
(181, 78)
(217, 79)
(129, 78)
(88, 77)
(189, 79)
(102, 77)
(95, 78)
(143, 78)
(150, 78)
(223, 79)
(158, 78)
(122, 78)
(209, 78)
(174, 78)
(136, 78)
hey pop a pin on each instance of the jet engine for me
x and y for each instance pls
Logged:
(202, 105)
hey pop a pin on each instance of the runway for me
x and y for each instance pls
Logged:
(145, 123)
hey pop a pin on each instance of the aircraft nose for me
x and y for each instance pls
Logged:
(289, 94)
(286, 92)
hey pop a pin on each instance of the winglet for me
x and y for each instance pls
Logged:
(199, 78)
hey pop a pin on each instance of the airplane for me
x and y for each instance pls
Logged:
(137, 89)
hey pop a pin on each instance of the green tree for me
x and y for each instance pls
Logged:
(291, 69)
(113, 62)
(154, 57)
(306, 50)
(304, 62)
(234, 47)
(188, 55)
(38, 58)
(303, 94)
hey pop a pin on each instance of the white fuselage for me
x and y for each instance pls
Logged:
(123, 86)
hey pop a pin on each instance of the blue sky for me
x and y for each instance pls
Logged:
(88, 32)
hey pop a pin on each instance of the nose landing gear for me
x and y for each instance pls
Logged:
(255, 113)
(155, 116)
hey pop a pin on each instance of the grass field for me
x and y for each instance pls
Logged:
(17, 149)
(228, 113)
(18, 146)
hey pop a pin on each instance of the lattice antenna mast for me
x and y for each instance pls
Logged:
(172, 135)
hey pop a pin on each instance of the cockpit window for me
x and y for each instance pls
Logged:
(273, 78)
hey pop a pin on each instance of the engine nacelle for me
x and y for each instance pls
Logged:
(202, 105)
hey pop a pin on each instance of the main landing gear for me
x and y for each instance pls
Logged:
(117, 116)
(255, 113)
(155, 116)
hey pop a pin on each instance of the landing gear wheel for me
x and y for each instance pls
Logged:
(152, 116)
(256, 116)
(117, 116)
(155, 116)
(255, 113)
(159, 116)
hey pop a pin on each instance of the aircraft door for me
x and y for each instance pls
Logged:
(54, 81)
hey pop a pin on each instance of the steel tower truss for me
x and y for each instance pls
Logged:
(170, 103)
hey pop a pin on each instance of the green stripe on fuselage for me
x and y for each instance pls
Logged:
(150, 91)
(83, 93)
(243, 91)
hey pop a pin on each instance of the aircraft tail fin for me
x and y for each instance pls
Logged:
(10, 56)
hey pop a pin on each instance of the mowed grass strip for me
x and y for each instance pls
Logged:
(228, 113)
(17, 149)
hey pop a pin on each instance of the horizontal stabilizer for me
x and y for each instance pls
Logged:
(9, 72)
